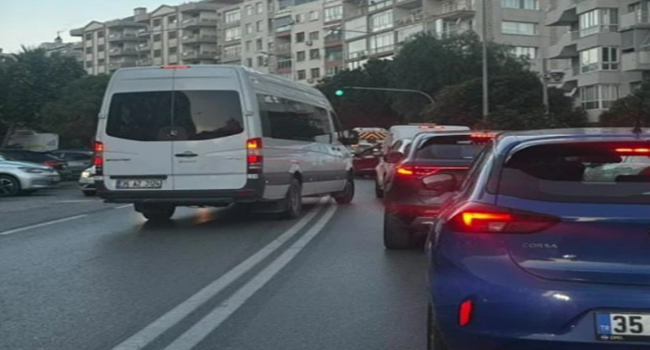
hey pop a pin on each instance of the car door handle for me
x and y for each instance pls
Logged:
(186, 155)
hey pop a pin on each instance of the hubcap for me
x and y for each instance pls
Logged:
(7, 186)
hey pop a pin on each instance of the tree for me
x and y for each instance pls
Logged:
(628, 110)
(429, 64)
(30, 80)
(358, 108)
(515, 101)
(74, 115)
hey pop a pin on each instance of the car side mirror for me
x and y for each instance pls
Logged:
(441, 182)
(393, 157)
(348, 137)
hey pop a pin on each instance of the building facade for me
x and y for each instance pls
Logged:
(607, 45)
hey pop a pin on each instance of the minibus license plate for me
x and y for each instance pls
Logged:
(620, 326)
(139, 183)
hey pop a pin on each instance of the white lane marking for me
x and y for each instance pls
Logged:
(77, 201)
(16, 230)
(178, 313)
(216, 317)
(124, 206)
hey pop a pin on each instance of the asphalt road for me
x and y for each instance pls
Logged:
(77, 274)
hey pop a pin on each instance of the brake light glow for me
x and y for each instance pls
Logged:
(98, 158)
(437, 127)
(175, 66)
(465, 313)
(254, 157)
(481, 218)
(633, 150)
(51, 163)
(418, 170)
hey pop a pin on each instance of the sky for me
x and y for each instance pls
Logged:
(31, 22)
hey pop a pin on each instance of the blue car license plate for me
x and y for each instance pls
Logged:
(623, 326)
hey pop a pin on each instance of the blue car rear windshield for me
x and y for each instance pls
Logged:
(593, 172)
(448, 147)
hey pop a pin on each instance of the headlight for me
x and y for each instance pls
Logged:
(86, 175)
(33, 170)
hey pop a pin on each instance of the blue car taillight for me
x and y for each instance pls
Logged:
(482, 218)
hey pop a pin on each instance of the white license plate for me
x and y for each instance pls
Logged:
(139, 183)
(623, 327)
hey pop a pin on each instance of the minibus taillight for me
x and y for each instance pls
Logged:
(98, 158)
(254, 157)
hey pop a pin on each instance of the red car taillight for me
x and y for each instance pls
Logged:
(408, 170)
(481, 218)
(254, 157)
(51, 163)
(98, 158)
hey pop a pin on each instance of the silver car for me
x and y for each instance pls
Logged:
(87, 182)
(22, 177)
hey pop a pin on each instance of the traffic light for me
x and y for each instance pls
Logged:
(339, 92)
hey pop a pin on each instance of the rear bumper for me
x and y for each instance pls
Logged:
(251, 192)
(416, 216)
(39, 181)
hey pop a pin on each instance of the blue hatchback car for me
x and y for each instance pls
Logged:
(545, 245)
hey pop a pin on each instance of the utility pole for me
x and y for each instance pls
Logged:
(486, 100)
(545, 78)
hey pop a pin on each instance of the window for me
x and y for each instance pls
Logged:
(300, 37)
(314, 54)
(172, 35)
(409, 32)
(584, 172)
(521, 4)
(314, 15)
(302, 75)
(156, 22)
(379, 4)
(171, 20)
(519, 28)
(197, 115)
(233, 16)
(101, 62)
(259, 26)
(599, 58)
(101, 48)
(100, 34)
(300, 18)
(291, 120)
(259, 45)
(249, 46)
(447, 147)
(156, 38)
(382, 43)
(89, 36)
(157, 53)
(315, 73)
(233, 34)
(260, 61)
(313, 36)
(259, 7)
(249, 10)
(89, 50)
(330, 71)
(334, 13)
(300, 56)
(173, 50)
(381, 21)
(598, 96)
(525, 52)
(249, 62)
(357, 48)
(232, 51)
(249, 28)
(89, 64)
(597, 21)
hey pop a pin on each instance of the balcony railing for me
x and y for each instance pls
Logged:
(122, 36)
(381, 49)
(332, 57)
(636, 18)
(144, 62)
(122, 51)
(283, 47)
(124, 64)
(357, 54)
(449, 7)
(200, 38)
(609, 28)
(285, 64)
(143, 47)
(198, 21)
(207, 55)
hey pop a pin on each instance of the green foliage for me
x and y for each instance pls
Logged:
(74, 115)
(627, 110)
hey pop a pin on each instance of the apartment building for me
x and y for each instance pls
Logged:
(375, 29)
(607, 43)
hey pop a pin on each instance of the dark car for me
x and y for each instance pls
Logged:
(39, 158)
(78, 161)
(408, 203)
(544, 245)
(365, 162)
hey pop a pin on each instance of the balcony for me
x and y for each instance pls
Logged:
(144, 47)
(334, 57)
(146, 61)
(284, 65)
(200, 55)
(231, 57)
(408, 4)
(388, 49)
(126, 51)
(406, 21)
(564, 15)
(566, 47)
(231, 24)
(116, 37)
(199, 22)
(200, 38)
(198, 7)
(122, 64)
(636, 19)
(635, 61)
(457, 10)
(362, 54)
(123, 23)
(144, 32)
(283, 48)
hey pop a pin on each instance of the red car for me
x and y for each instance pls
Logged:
(365, 162)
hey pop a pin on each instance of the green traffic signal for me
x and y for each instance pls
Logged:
(339, 92)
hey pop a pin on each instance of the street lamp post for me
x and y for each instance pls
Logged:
(486, 100)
